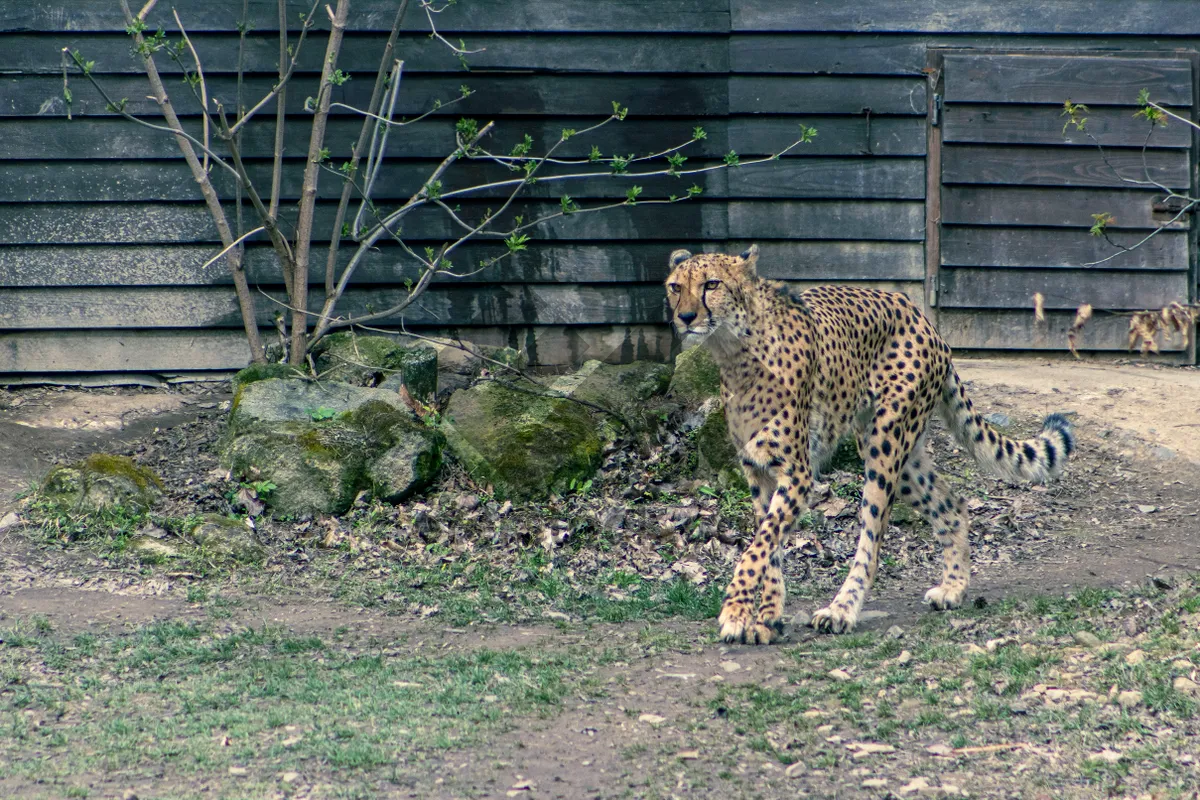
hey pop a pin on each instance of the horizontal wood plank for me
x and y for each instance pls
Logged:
(1017, 330)
(183, 265)
(825, 55)
(969, 287)
(854, 220)
(857, 178)
(171, 181)
(1037, 247)
(170, 223)
(1052, 79)
(1015, 124)
(775, 94)
(1064, 166)
(361, 52)
(1147, 17)
(216, 307)
(858, 135)
(175, 351)
(1048, 207)
(53, 138)
(533, 16)
(40, 95)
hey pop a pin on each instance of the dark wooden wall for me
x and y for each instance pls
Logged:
(102, 235)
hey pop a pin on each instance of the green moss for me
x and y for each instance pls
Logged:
(696, 377)
(369, 360)
(715, 453)
(525, 446)
(261, 372)
(123, 467)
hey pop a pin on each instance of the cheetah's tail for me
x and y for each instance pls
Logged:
(1037, 460)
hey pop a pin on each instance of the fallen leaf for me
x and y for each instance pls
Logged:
(839, 674)
(1106, 755)
(864, 749)
(652, 719)
(688, 755)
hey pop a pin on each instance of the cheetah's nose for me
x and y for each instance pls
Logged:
(687, 317)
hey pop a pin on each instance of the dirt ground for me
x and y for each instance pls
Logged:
(1125, 514)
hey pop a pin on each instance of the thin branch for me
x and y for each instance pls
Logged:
(308, 191)
(203, 87)
(241, 286)
(235, 243)
(433, 31)
(275, 90)
(368, 127)
(280, 112)
(439, 106)
(1186, 209)
(1173, 115)
(378, 148)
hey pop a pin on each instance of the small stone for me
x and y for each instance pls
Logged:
(289, 777)
(895, 632)
(1129, 699)
(1087, 639)
(998, 419)
(1106, 755)
(9, 520)
(1188, 685)
(914, 786)
(904, 658)
(794, 770)
(730, 666)
(839, 674)
(652, 719)
(1135, 657)
(238, 771)
(1179, 663)
(869, 615)
(874, 783)
(688, 755)
(1147, 509)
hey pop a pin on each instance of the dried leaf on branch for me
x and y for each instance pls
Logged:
(1082, 315)
(1039, 307)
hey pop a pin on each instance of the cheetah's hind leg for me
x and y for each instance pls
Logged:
(946, 514)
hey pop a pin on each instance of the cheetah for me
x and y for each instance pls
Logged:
(800, 371)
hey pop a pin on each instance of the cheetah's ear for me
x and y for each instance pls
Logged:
(678, 257)
(750, 260)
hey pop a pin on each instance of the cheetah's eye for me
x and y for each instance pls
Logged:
(710, 285)
(673, 288)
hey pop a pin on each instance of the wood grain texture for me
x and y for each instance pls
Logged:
(825, 55)
(216, 307)
(1064, 166)
(877, 220)
(859, 178)
(1052, 79)
(169, 223)
(494, 94)
(51, 138)
(968, 287)
(1068, 249)
(1017, 330)
(533, 16)
(625, 53)
(634, 262)
(774, 94)
(1048, 207)
(1107, 17)
(175, 351)
(1018, 124)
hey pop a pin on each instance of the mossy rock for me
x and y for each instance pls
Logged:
(696, 378)
(323, 443)
(716, 456)
(628, 389)
(458, 368)
(378, 361)
(102, 481)
(523, 445)
(223, 537)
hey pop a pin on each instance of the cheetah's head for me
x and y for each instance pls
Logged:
(707, 291)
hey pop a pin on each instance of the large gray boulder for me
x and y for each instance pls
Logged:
(322, 442)
(522, 444)
(378, 361)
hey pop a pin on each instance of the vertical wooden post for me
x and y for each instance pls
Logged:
(933, 180)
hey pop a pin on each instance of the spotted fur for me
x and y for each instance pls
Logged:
(798, 373)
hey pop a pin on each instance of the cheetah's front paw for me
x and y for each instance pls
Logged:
(737, 626)
(834, 618)
(945, 597)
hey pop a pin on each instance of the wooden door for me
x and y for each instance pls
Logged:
(1019, 186)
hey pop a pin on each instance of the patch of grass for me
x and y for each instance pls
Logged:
(194, 697)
